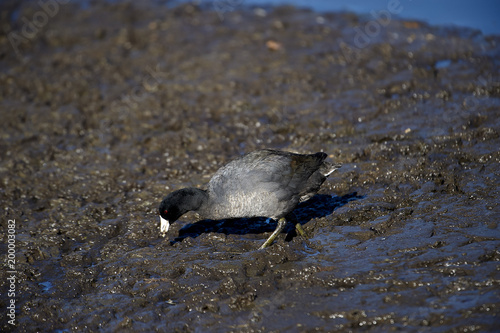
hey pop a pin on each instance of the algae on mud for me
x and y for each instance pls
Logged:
(110, 107)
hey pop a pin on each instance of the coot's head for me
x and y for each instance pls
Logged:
(178, 203)
(169, 213)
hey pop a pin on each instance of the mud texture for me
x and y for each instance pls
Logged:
(109, 107)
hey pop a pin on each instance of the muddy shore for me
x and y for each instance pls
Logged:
(109, 107)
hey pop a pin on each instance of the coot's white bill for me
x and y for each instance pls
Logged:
(164, 224)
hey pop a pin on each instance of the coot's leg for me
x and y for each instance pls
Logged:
(298, 227)
(279, 228)
(301, 231)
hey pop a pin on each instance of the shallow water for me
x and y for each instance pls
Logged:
(108, 109)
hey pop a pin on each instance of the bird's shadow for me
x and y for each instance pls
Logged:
(318, 206)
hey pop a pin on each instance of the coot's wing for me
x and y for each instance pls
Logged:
(282, 178)
(257, 171)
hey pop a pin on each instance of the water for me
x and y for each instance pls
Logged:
(483, 15)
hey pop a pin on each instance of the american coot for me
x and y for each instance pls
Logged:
(263, 183)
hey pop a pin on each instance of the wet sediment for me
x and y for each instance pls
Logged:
(110, 107)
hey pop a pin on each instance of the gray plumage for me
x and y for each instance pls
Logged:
(264, 183)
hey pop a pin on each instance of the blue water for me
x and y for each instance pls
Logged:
(483, 15)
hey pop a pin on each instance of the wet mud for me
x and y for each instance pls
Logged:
(109, 107)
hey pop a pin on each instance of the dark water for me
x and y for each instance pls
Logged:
(107, 109)
(480, 15)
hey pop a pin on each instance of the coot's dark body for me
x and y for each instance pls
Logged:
(265, 182)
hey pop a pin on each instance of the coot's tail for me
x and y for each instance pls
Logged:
(327, 168)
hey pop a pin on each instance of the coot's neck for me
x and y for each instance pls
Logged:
(193, 199)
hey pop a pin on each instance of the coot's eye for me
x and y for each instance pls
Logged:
(165, 211)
